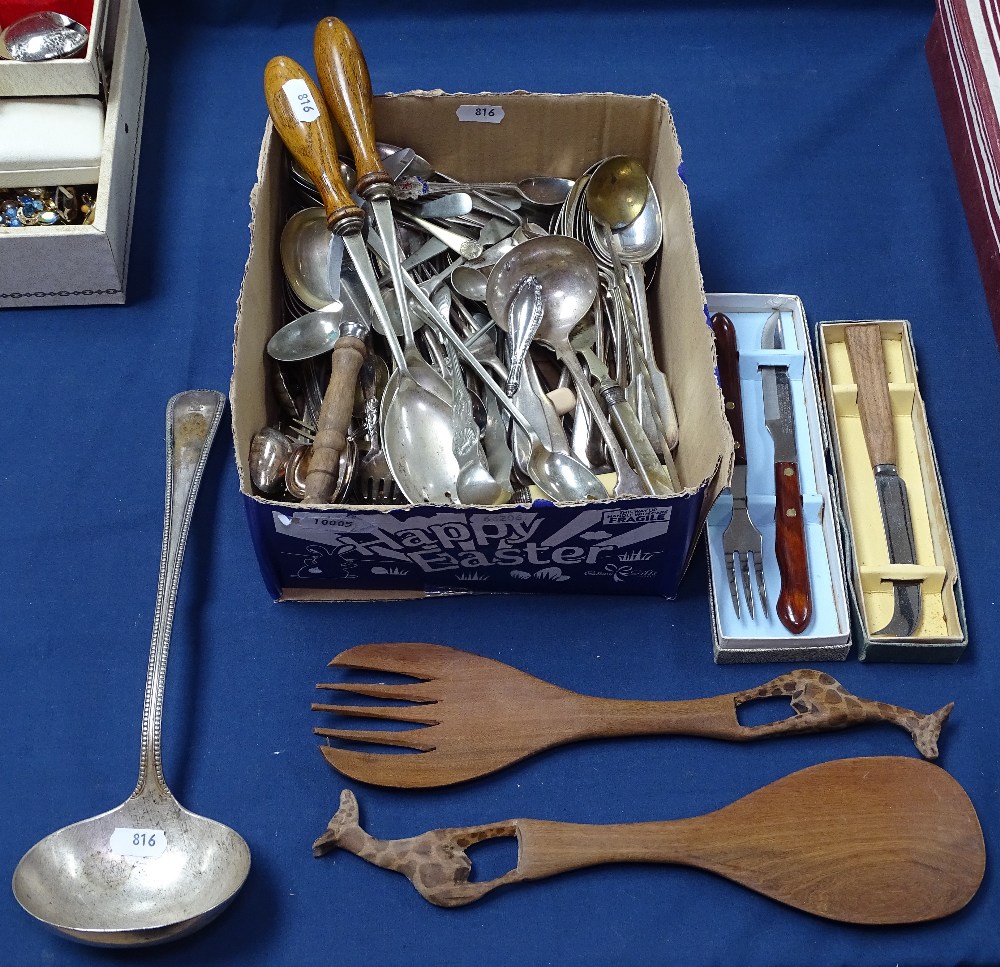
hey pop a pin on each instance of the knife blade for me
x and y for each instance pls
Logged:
(794, 604)
(864, 349)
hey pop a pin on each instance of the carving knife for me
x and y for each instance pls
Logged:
(794, 605)
(864, 348)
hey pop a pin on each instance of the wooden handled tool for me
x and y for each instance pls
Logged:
(301, 118)
(343, 75)
(864, 348)
(794, 604)
(481, 715)
(882, 840)
(335, 413)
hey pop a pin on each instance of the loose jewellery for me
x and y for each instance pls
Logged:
(58, 205)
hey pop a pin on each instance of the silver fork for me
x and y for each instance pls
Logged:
(741, 541)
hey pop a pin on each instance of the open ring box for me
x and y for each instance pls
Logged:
(104, 95)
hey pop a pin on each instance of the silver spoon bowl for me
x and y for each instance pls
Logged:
(150, 870)
(308, 336)
(306, 248)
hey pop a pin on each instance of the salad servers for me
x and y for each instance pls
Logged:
(876, 840)
(150, 870)
(474, 715)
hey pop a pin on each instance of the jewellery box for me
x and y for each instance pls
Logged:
(88, 264)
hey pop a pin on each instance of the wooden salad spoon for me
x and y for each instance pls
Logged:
(479, 715)
(879, 840)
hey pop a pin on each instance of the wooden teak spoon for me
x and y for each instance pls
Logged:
(481, 715)
(882, 840)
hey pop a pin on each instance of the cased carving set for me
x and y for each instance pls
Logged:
(460, 368)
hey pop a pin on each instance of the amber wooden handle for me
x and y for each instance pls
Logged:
(334, 418)
(729, 379)
(864, 348)
(794, 607)
(300, 117)
(343, 75)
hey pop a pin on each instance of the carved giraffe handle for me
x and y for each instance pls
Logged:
(821, 703)
(872, 840)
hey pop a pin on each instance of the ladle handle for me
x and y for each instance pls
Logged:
(192, 419)
(343, 75)
(300, 117)
(334, 417)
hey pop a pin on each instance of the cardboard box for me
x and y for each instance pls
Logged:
(941, 635)
(72, 76)
(88, 264)
(637, 546)
(962, 52)
(738, 638)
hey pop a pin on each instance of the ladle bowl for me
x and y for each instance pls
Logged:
(565, 270)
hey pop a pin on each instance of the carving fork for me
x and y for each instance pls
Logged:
(741, 541)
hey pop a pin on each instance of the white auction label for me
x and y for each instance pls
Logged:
(480, 112)
(301, 100)
(138, 842)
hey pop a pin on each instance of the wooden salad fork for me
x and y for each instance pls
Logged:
(877, 840)
(475, 715)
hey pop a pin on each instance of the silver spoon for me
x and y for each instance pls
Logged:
(306, 249)
(559, 475)
(149, 870)
(43, 36)
(568, 280)
(308, 336)
(269, 453)
(634, 245)
(542, 190)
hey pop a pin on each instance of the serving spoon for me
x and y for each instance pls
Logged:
(150, 870)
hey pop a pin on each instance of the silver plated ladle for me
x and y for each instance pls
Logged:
(150, 870)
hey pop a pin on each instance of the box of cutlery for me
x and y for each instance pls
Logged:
(775, 573)
(66, 205)
(86, 29)
(902, 570)
(408, 533)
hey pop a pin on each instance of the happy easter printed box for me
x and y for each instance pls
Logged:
(620, 546)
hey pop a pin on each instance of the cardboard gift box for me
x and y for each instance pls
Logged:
(631, 546)
(940, 634)
(88, 264)
(739, 635)
(962, 52)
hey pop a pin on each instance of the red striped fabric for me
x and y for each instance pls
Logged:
(963, 51)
